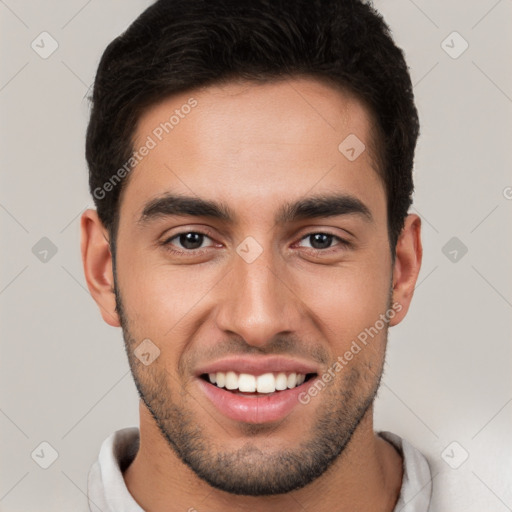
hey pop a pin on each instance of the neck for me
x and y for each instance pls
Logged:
(366, 476)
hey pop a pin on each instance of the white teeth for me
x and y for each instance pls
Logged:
(231, 380)
(221, 379)
(281, 381)
(266, 383)
(292, 380)
(247, 383)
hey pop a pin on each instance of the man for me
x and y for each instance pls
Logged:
(251, 165)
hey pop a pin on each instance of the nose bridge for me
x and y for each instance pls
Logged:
(258, 303)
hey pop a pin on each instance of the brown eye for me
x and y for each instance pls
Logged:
(191, 240)
(323, 241)
(320, 240)
(186, 241)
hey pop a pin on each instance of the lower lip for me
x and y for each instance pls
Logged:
(253, 409)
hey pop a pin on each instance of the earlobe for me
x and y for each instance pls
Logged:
(97, 263)
(407, 266)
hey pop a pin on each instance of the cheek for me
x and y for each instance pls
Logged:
(346, 301)
(351, 290)
(159, 298)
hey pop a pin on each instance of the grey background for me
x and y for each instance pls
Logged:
(64, 378)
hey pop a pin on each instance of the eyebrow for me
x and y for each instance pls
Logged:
(325, 205)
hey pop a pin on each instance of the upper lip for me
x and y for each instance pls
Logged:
(258, 365)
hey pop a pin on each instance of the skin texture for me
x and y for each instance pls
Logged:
(255, 147)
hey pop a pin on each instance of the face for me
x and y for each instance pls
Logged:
(257, 284)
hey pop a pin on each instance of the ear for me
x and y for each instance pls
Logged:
(407, 266)
(97, 263)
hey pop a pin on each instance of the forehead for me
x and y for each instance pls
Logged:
(251, 145)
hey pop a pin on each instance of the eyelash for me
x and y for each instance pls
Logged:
(199, 252)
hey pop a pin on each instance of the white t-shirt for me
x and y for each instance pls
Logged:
(107, 490)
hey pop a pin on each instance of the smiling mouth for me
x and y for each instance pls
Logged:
(253, 385)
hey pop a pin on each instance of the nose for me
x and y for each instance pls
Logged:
(258, 302)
